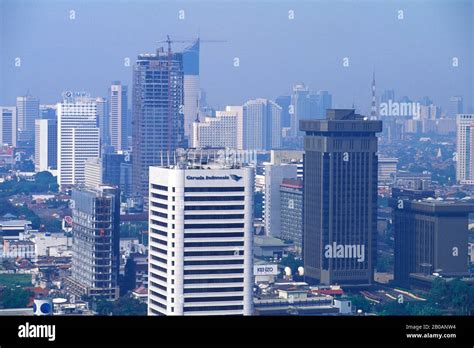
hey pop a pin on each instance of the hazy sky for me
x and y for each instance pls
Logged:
(413, 55)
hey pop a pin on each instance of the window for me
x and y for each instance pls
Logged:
(213, 217)
(159, 187)
(214, 207)
(214, 235)
(228, 225)
(214, 189)
(213, 199)
(211, 244)
(213, 271)
(213, 262)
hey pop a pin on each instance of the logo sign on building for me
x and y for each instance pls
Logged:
(260, 270)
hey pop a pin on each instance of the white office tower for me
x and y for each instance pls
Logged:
(219, 131)
(46, 141)
(274, 175)
(78, 136)
(261, 125)
(465, 149)
(118, 116)
(238, 110)
(93, 177)
(27, 112)
(200, 240)
(8, 126)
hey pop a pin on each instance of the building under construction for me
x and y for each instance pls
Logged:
(95, 248)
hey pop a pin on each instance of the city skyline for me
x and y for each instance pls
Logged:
(383, 33)
(237, 158)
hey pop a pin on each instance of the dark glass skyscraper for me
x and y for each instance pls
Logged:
(340, 198)
(157, 113)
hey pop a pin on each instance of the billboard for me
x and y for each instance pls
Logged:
(270, 269)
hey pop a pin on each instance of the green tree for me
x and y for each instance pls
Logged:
(394, 308)
(439, 293)
(459, 293)
(125, 305)
(292, 262)
(14, 298)
(360, 302)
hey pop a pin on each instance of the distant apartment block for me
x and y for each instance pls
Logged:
(261, 125)
(291, 212)
(8, 126)
(465, 149)
(27, 112)
(215, 132)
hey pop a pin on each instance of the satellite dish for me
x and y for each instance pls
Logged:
(288, 271)
(301, 271)
(59, 300)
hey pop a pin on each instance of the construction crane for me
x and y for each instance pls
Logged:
(169, 41)
(170, 54)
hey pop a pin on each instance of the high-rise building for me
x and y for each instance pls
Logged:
(118, 107)
(300, 107)
(284, 102)
(27, 112)
(307, 105)
(219, 131)
(388, 94)
(291, 212)
(289, 157)
(239, 111)
(465, 149)
(103, 121)
(200, 240)
(191, 87)
(46, 144)
(126, 179)
(387, 170)
(8, 126)
(47, 112)
(106, 170)
(111, 164)
(78, 136)
(95, 247)
(431, 236)
(455, 106)
(324, 103)
(93, 173)
(274, 175)
(340, 198)
(261, 125)
(157, 121)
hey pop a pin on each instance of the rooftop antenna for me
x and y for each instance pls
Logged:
(373, 109)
